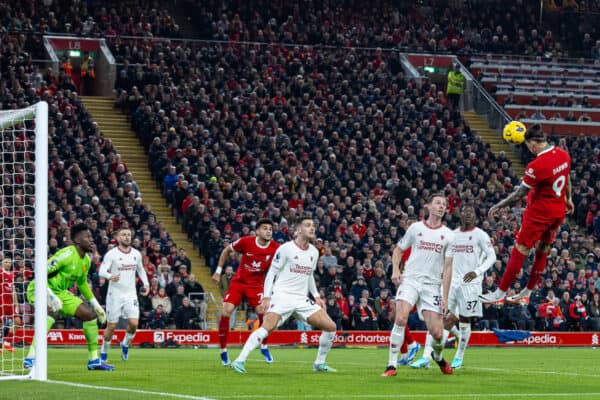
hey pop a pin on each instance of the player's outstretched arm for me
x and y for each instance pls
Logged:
(216, 277)
(520, 192)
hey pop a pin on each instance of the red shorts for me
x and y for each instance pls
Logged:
(238, 292)
(7, 311)
(537, 227)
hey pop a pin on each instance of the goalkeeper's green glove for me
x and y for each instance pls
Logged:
(100, 314)
(54, 303)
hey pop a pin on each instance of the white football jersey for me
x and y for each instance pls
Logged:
(292, 270)
(125, 264)
(428, 251)
(471, 250)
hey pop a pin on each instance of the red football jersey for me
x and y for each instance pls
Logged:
(255, 261)
(547, 176)
(6, 288)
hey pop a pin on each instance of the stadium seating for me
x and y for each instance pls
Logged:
(274, 130)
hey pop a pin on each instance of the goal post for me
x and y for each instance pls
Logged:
(24, 203)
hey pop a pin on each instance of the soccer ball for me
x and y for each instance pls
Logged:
(514, 132)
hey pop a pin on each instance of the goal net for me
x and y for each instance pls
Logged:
(23, 238)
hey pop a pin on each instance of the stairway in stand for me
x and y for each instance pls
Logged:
(497, 144)
(115, 127)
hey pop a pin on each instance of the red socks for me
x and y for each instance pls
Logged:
(223, 331)
(515, 263)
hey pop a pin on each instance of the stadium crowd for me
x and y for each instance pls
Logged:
(238, 132)
(458, 27)
(87, 182)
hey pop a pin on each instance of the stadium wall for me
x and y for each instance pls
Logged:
(311, 338)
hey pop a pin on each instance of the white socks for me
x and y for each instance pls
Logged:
(252, 343)
(128, 338)
(396, 340)
(465, 334)
(435, 346)
(105, 346)
(325, 343)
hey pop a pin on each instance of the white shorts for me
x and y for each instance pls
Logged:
(117, 307)
(463, 300)
(286, 305)
(425, 296)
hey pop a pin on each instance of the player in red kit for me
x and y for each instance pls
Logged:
(257, 253)
(9, 315)
(547, 185)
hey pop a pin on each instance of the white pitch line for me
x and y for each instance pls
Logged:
(418, 396)
(536, 372)
(127, 390)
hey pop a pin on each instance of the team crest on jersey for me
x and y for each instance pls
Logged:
(277, 256)
(442, 236)
(311, 258)
(295, 258)
(470, 237)
(420, 234)
(267, 257)
(256, 265)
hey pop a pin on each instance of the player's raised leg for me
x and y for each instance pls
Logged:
(435, 326)
(90, 331)
(113, 313)
(403, 308)
(321, 320)
(107, 339)
(224, 323)
(463, 342)
(410, 348)
(264, 348)
(270, 322)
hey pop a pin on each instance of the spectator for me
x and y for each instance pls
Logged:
(364, 316)
(577, 318)
(186, 316)
(334, 311)
(177, 298)
(145, 304)
(358, 287)
(161, 299)
(593, 310)
(157, 318)
(344, 307)
(455, 86)
(383, 310)
(551, 315)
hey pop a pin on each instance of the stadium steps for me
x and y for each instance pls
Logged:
(496, 142)
(114, 125)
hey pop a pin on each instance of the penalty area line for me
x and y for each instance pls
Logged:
(127, 390)
(420, 396)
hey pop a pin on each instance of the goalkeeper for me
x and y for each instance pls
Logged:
(70, 265)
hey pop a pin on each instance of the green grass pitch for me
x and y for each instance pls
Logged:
(488, 373)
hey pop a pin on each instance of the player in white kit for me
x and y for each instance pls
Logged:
(472, 254)
(421, 281)
(119, 267)
(286, 289)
